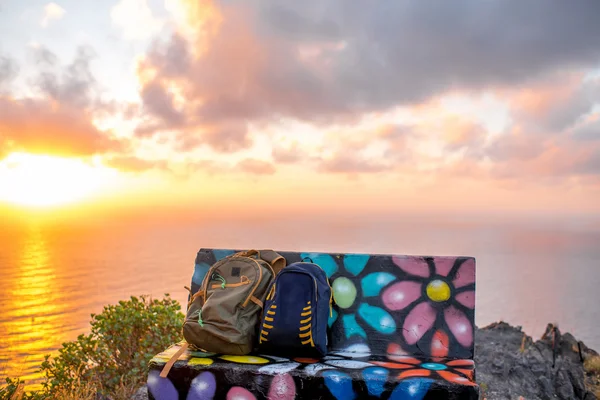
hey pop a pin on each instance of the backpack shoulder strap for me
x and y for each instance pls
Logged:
(274, 259)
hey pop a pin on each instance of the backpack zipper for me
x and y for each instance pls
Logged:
(257, 281)
(218, 277)
(244, 280)
(328, 284)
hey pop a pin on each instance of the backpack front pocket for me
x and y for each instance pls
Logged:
(288, 317)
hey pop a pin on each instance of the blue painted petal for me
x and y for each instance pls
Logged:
(332, 318)
(375, 378)
(339, 384)
(325, 261)
(161, 388)
(411, 389)
(377, 318)
(219, 254)
(434, 366)
(200, 271)
(203, 387)
(351, 327)
(374, 282)
(355, 263)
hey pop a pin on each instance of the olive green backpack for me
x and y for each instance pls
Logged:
(224, 315)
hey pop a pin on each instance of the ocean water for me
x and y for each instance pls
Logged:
(54, 276)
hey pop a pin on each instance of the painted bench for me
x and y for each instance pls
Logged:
(402, 328)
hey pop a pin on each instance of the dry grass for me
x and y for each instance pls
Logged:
(79, 392)
(19, 393)
(592, 365)
(125, 392)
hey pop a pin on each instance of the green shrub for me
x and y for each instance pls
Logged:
(114, 356)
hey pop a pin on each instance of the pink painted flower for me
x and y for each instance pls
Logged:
(434, 290)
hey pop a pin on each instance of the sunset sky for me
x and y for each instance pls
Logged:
(314, 106)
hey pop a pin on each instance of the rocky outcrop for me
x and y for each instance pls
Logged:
(141, 394)
(510, 365)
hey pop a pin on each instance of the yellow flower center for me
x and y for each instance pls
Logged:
(438, 290)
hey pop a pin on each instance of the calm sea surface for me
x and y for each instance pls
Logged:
(54, 277)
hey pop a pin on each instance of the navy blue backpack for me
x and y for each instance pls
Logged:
(296, 311)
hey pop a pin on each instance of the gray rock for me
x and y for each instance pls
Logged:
(510, 364)
(545, 387)
(141, 394)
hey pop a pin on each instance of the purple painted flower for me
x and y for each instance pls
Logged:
(433, 287)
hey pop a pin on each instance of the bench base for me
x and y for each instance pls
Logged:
(202, 376)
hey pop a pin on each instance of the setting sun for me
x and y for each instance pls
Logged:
(42, 180)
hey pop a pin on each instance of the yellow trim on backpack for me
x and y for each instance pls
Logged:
(305, 327)
(271, 292)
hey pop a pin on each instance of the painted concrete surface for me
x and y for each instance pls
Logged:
(402, 327)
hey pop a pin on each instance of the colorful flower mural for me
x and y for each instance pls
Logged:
(402, 304)
(436, 295)
(343, 377)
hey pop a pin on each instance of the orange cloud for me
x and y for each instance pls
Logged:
(459, 131)
(539, 98)
(257, 167)
(134, 164)
(39, 126)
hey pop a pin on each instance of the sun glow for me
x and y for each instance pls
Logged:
(42, 180)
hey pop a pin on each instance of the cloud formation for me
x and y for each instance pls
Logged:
(368, 79)
(135, 164)
(256, 167)
(73, 84)
(52, 12)
(348, 164)
(8, 70)
(58, 120)
(39, 126)
(332, 63)
(135, 18)
(552, 134)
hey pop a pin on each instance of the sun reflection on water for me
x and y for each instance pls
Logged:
(34, 319)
